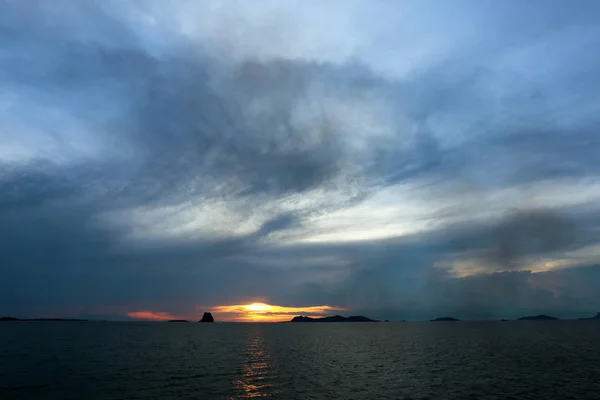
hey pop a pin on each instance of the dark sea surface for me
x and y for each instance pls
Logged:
(428, 360)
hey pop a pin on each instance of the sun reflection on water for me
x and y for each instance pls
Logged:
(257, 369)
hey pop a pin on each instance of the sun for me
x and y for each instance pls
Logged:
(262, 312)
(257, 307)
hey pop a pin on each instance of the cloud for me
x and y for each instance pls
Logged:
(151, 159)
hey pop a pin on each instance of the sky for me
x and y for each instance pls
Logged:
(394, 159)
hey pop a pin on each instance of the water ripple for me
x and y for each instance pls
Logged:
(114, 361)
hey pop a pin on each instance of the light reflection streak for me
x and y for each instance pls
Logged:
(258, 370)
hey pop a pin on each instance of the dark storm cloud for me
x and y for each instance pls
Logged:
(399, 279)
(164, 125)
(183, 131)
(531, 231)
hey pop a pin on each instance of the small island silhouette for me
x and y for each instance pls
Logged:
(538, 318)
(445, 319)
(335, 318)
(596, 317)
(42, 319)
(207, 317)
(178, 320)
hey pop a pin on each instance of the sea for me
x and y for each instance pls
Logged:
(411, 360)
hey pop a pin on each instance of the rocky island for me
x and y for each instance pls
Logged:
(207, 317)
(178, 320)
(445, 319)
(335, 318)
(538, 318)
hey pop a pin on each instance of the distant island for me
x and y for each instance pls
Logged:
(207, 317)
(538, 318)
(41, 319)
(335, 318)
(596, 317)
(445, 319)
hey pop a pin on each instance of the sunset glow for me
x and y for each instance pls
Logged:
(258, 307)
(251, 312)
(261, 312)
(151, 315)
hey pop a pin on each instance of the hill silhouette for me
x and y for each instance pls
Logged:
(42, 319)
(538, 318)
(445, 319)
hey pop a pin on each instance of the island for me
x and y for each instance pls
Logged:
(207, 317)
(594, 318)
(335, 318)
(445, 319)
(538, 318)
(57, 319)
(178, 320)
(43, 319)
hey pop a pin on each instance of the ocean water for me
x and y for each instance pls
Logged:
(137, 360)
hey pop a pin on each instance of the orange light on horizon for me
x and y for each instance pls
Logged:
(152, 315)
(262, 312)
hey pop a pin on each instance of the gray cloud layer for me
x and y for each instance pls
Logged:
(148, 161)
